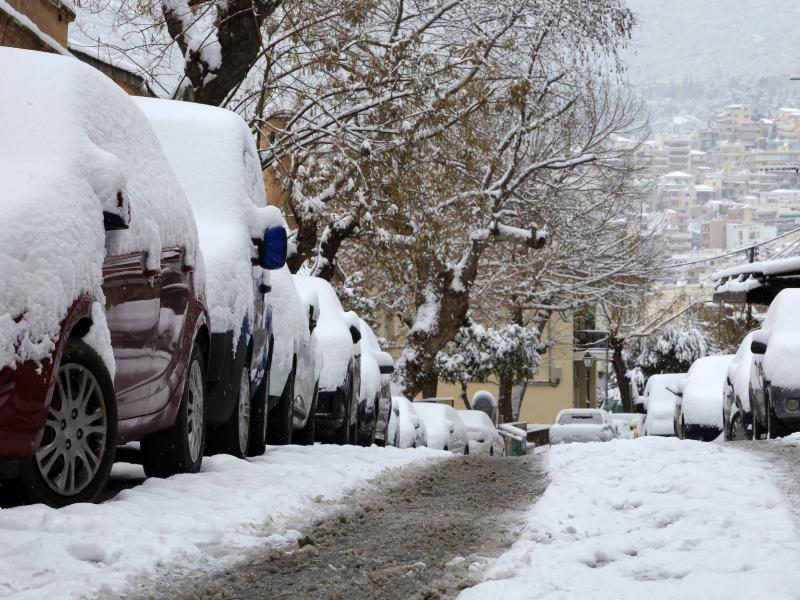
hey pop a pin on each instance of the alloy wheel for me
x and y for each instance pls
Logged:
(195, 420)
(244, 411)
(76, 432)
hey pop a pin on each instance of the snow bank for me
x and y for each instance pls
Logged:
(73, 146)
(333, 331)
(184, 522)
(218, 166)
(703, 390)
(680, 520)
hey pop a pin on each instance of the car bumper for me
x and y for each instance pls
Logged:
(779, 398)
(24, 394)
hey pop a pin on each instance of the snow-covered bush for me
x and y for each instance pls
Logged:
(673, 350)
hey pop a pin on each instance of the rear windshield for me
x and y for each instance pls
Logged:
(581, 418)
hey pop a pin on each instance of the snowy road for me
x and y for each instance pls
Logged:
(428, 534)
(187, 523)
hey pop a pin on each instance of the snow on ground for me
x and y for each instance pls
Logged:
(186, 521)
(655, 518)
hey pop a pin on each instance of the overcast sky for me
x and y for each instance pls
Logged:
(715, 38)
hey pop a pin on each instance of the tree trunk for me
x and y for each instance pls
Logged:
(621, 371)
(504, 401)
(464, 396)
(430, 388)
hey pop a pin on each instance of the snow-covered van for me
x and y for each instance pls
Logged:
(103, 326)
(214, 155)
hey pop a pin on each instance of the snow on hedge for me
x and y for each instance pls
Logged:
(73, 146)
(652, 518)
(215, 158)
(184, 523)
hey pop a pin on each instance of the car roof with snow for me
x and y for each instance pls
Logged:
(74, 147)
(218, 166)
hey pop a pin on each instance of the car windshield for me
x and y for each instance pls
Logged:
(571, 418)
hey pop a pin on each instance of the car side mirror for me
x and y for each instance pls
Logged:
(271, 249)
(355, 333)
(757, 347)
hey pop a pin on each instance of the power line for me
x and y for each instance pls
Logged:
(732, 252)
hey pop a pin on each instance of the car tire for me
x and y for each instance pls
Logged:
(179, 449)
(233, 437)
(280, 424)
(491, 451)
(367, 441)
(258, 422)
(40, 477)
(307, 435)
(466, 450)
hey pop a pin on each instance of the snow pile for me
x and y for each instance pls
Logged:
(218, 166)
(782, 328)
(74, 146)
(703, 390)
(333, 331)
(652, 518)
(184, 522)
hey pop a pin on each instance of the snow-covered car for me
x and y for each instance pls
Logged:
(582, 425)
(296, 363)
(338, 334)
(659, 403)
(737, 417)
(482, 434)
(405, 428)
(698, 406)
(775, 372)
(242, 239)
(444, 429)
(102, 281)
(375, 398)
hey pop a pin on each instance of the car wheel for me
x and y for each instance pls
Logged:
(307, 435)
(738, 429)
(466, 450)
(233, 437)
(79, 441)
(367, 441)
(491, 451)
(280, 424)
(683, 430)
(258, 421)
(179, 449)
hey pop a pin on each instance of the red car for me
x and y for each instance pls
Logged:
(103, 328)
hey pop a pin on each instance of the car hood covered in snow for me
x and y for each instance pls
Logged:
(217, 164)
(74, 146)
(703, 391)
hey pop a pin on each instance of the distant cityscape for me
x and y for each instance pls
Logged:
(726, 186)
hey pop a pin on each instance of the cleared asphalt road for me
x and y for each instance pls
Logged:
(427, 534)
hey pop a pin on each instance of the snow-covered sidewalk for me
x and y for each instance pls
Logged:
(184, 522)
(652, 518)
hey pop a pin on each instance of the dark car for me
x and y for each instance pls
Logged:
(103, 326)
(218, 166)
(774, 374)
(375, 398)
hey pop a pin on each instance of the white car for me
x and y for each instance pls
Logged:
(659, 402)
(375, 399)
(338, 334)
(482, 434)
(405, 429)
(582, 425)
(296, 363)
(698, 408)
(444, 428)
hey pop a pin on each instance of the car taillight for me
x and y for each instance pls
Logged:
(481, 440)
